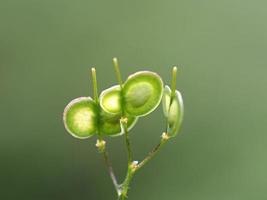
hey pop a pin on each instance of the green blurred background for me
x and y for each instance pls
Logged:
(46, 50)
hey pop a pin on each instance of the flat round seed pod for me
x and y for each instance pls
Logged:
(110, 124)
(80, 117)
(110, 100)
(166, 100)
(142, 93)
(174, 111)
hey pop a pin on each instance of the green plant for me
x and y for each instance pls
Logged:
(116, 111)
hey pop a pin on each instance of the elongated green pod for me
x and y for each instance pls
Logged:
(111, 100)
(142, 93)
(173, 109)
(80, 117)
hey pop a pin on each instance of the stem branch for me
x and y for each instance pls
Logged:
(133, 166)
(101, 145)
(110, 170)
(164, 139)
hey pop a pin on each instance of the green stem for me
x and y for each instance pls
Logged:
(173, 83)
(124, 125)
(117, 70)
(133, 167)
(154, 151)
(124, 122)
(121, 197)
(101, 145)
(126, 183)
(111, 171)
(95, 84)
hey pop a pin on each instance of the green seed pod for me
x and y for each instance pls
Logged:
(173, 109)
(110, 124)
(166, 100)
(142, 93)
(80, 117)
(110, 100)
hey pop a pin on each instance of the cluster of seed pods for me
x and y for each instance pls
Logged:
(138, 96)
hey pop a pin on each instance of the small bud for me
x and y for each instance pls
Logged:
(134, 165)
(124, 120)
(101, 145)
(119, 190)
(165, 136)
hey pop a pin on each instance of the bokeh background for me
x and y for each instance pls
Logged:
(46, 51)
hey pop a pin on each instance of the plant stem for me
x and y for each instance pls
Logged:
(117, 70)
(124, 122)
(111, 171)
(126, 183)
(164, 139)
(173, 83)
(128, 144)
(133, 167)
(95, 84)
(101, 145)
(123, 190)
